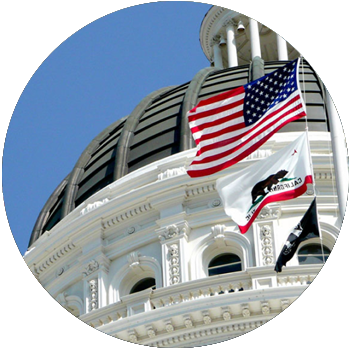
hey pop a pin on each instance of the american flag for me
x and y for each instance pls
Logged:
(230, 126)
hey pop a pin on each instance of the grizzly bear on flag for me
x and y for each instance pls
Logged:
(264, 187)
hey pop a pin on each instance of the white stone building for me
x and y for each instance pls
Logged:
(134, 247)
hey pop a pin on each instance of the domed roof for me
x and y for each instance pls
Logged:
(158, 128)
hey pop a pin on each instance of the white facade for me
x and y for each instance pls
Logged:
(157, 222)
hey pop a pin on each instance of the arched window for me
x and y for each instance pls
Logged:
(224, 263)
(313, 254)
(143, 285)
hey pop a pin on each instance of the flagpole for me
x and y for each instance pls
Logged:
(307, 132)
(310, 159)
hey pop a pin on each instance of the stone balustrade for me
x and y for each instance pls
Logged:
(210, 288)
(207, 287)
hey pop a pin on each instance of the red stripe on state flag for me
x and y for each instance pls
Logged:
(284, 175)
(276, 198)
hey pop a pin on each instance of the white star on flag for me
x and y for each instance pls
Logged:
(228, 127)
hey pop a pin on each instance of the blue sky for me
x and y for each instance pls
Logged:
(95, 77)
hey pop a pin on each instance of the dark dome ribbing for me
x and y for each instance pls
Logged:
(158, 128)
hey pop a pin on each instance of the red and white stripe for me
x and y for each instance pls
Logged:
(222, 139)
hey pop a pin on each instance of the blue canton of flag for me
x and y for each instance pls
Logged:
(266, 92)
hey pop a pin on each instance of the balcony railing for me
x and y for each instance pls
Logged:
(256, 278)
(207, 287)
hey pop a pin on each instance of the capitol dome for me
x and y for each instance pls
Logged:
(158, 127)
(134, 247)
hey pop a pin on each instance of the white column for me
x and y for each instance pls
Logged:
(231, 46)
(217, 53)
(339, 155)
(254, 38)
(282, 48)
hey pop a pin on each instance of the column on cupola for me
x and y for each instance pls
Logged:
(217, 52)
(232, 57)
(257, 61)
(281, 48)
(254, 38)
(174, 241)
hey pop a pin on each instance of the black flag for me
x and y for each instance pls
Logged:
(307, 228)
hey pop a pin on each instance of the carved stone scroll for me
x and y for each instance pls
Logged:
(93, 285)
(174, 267)
(266, 245)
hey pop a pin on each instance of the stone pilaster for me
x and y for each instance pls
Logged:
(173, 239)
(95, 274)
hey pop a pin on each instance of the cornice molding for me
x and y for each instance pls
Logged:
(57, 255)
(204, 188)
(127, 214)
(206, 29)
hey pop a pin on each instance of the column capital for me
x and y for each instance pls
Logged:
(94, 265)
(215, 40)
(174, 231)
(229, 22)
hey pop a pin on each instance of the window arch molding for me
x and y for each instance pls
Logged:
(329, 236)
(228, 241)
(135, 269)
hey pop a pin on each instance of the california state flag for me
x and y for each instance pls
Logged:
(282, 176)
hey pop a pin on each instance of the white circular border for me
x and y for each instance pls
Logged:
(317, 318)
